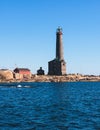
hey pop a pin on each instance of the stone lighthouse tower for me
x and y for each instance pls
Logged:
(58, 65)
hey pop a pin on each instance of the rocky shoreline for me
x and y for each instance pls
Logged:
(47, 78)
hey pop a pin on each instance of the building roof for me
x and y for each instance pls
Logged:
(25, 69)
(3, 69)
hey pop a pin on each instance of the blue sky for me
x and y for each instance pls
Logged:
(28, 34)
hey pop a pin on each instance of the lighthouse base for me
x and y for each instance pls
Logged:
(57, 67)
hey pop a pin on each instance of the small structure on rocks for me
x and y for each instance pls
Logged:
(40, 71)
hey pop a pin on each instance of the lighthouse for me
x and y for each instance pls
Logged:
(58, 65)
(59, 44)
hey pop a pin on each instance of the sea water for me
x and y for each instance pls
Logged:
(50, 106)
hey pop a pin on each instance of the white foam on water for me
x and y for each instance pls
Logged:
(19, 86)
(27, 86)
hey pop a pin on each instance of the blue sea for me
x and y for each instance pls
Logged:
(50, 106)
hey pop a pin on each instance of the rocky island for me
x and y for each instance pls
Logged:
(9, 76)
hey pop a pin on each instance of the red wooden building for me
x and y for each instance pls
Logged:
(23, 71)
